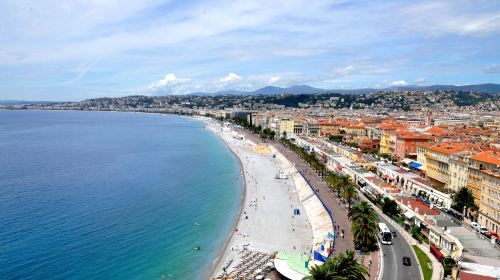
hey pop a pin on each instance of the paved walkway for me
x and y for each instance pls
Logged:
(339, 210)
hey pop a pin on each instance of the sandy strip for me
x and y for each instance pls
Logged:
(268, 204)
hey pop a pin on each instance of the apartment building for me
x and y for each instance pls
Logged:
(388, 137)
(437, 160)
(489, 160)
(406, 144)
(459, 170)
(489, 207)
(286, 126)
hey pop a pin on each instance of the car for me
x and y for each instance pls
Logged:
(437, 206)
(483, 230)
(493, 234)
(474, 225)
(406, 261)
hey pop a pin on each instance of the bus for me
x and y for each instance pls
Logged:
(385, 234)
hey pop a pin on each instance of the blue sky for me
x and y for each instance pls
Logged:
(73, 50)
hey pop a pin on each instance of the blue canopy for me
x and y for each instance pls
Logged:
(415, 164)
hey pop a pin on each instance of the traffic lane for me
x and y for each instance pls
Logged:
(393, 258)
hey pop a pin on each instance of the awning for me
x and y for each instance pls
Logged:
(409, 215)
(415, 164)
(283, 268)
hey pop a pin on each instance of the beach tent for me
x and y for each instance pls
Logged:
(319, 257)
(330, 237)
(296, 211)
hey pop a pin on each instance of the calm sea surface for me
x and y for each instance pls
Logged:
(99, 195)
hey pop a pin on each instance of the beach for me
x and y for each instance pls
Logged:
(267, 223)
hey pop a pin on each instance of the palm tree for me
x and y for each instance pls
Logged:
(349, 193)
(364, 231)
(331, 180)
(319, 272)
(341, 267)
(361, 210)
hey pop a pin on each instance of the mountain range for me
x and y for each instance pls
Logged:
(304, 89)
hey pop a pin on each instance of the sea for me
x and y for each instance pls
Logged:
(109, 195)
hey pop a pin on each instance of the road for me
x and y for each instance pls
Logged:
(393, 258)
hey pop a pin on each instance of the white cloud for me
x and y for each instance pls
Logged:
(230, 78)
(168, 83)
(399, 83)
(454, 17)
(273, 80)
(343, 71)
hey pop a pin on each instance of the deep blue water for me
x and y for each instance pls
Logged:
(100, 195)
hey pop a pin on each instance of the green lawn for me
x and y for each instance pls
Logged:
(424, 262)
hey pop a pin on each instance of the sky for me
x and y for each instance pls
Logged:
(74, 49)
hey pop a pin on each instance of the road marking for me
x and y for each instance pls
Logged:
(395, 261)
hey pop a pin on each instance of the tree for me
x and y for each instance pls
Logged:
(364, 230)
(342, 180)
(390, 207)
(463, 198)
(363, 209)
(341, 267)
(349, 193)
(335, 138)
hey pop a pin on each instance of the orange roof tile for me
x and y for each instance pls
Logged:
(447, 148)
(434, 130)
(491, 157)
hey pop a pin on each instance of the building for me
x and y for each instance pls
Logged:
(459, 170)
(438, 163)
(421, 152)
(356, 130)
(489, 207)
(312, 129)
(388, 137)
(286, 127)
(478, 165)
(406, 144)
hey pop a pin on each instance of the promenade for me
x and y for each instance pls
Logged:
(339, 210)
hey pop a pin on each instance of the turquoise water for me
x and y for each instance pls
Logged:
(100, 195)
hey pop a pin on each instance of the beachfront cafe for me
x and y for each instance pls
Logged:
(296, 266)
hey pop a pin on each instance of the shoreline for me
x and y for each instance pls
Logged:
(265, 224)
(222, 252)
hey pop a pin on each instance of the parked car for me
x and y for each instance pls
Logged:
(406, 261)
(474, 225)
(492, 234)
(483, 230)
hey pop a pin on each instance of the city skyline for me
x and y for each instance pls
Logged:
(73, 51)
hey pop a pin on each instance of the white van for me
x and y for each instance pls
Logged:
(475, 226)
